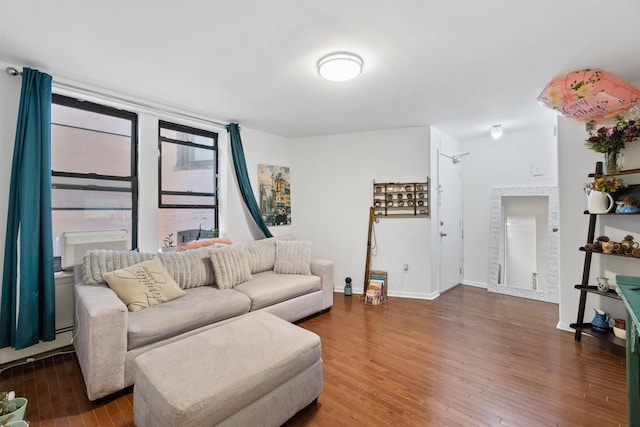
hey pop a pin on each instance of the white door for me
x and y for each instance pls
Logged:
(450, 220)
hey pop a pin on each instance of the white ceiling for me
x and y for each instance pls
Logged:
(458, 65)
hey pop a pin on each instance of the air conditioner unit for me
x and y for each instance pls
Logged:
(72, 245)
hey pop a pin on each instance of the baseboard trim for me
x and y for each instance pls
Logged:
(476, 284)
(10, 354)
(564, 327)
(414, 295)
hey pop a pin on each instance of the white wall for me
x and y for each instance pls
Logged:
(10, 90)
(506, 162)
(259, 148)
(332, 179)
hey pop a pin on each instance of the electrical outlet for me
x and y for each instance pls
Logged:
(405, 267)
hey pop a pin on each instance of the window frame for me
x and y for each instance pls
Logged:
(80, 104)
(162, 124)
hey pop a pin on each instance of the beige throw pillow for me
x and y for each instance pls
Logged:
(230, 266)
(293, 257)
(143, 285)
(261, 254)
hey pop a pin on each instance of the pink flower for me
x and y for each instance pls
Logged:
(609, 132)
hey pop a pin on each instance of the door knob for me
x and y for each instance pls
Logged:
(443, 234)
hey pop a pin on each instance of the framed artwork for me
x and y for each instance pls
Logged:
(275, 194)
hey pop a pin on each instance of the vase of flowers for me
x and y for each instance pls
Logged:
(611, 141)
(598, 191)
(12, 408)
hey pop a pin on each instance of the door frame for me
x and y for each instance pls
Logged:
(451, 145)
(553, 243)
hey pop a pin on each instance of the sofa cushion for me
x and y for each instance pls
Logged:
(143, 285)
(230, 266)
(261, 254)
(293, 257)
(268, 288)
(198, 307)
(289, 236)
(189, 269)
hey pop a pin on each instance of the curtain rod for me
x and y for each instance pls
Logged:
(12, 71)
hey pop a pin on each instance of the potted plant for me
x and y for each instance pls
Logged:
(606, 184)
(169, 243)
(611, 141)
(11, 408)
(598, 191)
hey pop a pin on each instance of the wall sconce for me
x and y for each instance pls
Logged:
(340, 66)
(496, 131)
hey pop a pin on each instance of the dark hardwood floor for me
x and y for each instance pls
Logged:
(469, 358)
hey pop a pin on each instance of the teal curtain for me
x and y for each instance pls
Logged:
(27, 310)
(240, 165)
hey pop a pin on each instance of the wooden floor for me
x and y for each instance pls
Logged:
(469, 358)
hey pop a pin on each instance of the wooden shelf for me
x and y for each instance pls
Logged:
(611, 213)
(608, 339)
(607, 336)
(401, 199)
(594, 290)
(622, 172)
(582, 249)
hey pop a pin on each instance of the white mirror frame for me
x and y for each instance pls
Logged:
(553, 250)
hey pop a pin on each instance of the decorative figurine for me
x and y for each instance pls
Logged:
(603, 284)
(347, 286)
(601, 320)
(629, 205)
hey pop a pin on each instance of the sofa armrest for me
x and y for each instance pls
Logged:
(100, 340)
(323, 268)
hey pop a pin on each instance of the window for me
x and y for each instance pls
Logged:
(94, 174)
(187, 184)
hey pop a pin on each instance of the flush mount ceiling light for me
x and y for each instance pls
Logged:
(496, 131)
(340, 66)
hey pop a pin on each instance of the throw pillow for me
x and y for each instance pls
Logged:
(261, 254)
(143, 285)
(195, 244)
(293, 257)
(230, 266)
(289, 236)
(96, 262)
(189, 269)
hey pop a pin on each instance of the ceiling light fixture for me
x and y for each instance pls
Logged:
(340, 66)
(496, 131)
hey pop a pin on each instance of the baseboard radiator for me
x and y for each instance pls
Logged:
(64, 323)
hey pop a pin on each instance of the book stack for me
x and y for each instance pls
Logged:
(372, 297)
(377, 289)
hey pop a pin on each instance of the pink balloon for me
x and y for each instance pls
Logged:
(589, 95)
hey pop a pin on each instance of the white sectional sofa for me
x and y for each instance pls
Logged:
(108, 337)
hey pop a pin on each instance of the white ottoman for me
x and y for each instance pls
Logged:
(255, 370)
